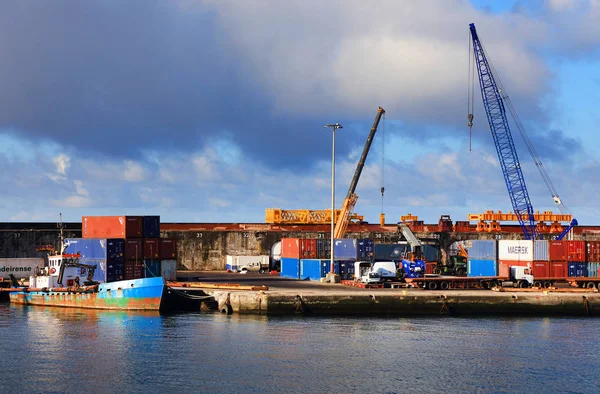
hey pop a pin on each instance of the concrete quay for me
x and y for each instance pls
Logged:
(289, 297)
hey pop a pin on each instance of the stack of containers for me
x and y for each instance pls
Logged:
(576, 258)
(168, 258)
(347, 251)
(514, 253)
(541, 259)
(134, 247)
(151, 246)
(558, 259)
(593, 258)
(290, 258)
(482, 258)
(107, 254)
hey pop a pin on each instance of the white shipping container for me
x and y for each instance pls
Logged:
(20, 267)
(515, 250)
(251, 263)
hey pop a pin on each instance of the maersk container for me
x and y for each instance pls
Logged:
(151, 268)
(481, 249)
(365, 249)
(481, 267)
(290, 268)
(515, 250)
(592, 269)
(310, 269)
(577, 269)
(168, 269)
(541, 251)
(389, 252)
(345, 249)
(151, 227)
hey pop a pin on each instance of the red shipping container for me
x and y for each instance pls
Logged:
(541, 269)
(559, 269)
(168, 248)
(290, 247)
(103, 227)
(133, 249)
(504, 266)
(134, 226)
(129, 270)
(593, 252)
(308, 248)
(151, 248)
(429, 267)
(576, 251)
(558, 250)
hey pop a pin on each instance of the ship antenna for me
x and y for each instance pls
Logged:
(61, 237)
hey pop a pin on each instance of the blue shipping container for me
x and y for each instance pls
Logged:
(365, 249)
(390, 252)
(431, 253)
(345, 269)
(115, 271)
(592, 269)
(481, 249)
(101, 270)
(97, 248)
(482, 267)
(151, 227)
(290, 268)
(541, 251)
(577, 270)
(345, 249)
(151, 268)
(310, 269)
(323, 249)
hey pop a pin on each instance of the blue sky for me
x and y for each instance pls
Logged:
(212, 111)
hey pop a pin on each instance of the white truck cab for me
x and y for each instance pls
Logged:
(380, 271)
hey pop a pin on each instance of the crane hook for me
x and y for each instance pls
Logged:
(382, 190)
(470, 124)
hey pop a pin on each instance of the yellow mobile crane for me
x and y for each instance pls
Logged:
(343, 218)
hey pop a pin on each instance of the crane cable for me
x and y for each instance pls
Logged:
(471, 91)
(536, 158)
(382, 160)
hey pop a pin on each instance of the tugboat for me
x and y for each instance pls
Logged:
(65, 282)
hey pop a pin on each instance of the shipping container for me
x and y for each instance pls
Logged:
(593, 251)
(151, 227)
(134, 269)
(481, 267)
(308, 248)
(558, 250)
(151, 268)
(290, 247)
(541, 251)
(134, 249)
(168, 269)
(290, 268)
(345, 249)
(345, 269)
(481, 249)
(326, 267)
(577, 269)
(592, 269)
(576, 251)
(96, 248)
(168, 248)
(541, 269)
(504, 266)
(390, 252)
(430, 267)
(431, 253)
(310, 269)
(151, 248)
(515, 250)
(20, 267)
(115, 271)
(134, 226)
(365, 249)
(323, 249)
(100, 270)
(103, 227)
(558, 269)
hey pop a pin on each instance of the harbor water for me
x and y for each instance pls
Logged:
(71, 350)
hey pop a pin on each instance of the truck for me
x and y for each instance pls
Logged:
(456, 264)
(248, 263)
(20, 268)
(520, 277)
(382, 271)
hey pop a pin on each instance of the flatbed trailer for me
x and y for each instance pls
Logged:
(548, 282)
(456, 282)
(582, 282)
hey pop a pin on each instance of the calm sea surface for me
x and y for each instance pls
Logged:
(54, 350)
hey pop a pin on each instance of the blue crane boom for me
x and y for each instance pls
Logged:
(505, 147)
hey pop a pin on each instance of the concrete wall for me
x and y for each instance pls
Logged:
(23, 242)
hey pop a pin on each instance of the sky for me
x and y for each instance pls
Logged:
(214, 110)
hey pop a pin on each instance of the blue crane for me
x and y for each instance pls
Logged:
(494, 99)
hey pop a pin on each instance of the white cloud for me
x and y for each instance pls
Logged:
(133, 172)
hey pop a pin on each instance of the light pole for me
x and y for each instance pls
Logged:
(334, 127)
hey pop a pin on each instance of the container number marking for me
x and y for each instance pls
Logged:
(245, 235)
(321, 235)
(498, 236)
(198, 235)
(378, 235)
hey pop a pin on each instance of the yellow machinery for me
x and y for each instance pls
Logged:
(490, 220)
(343, 216)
